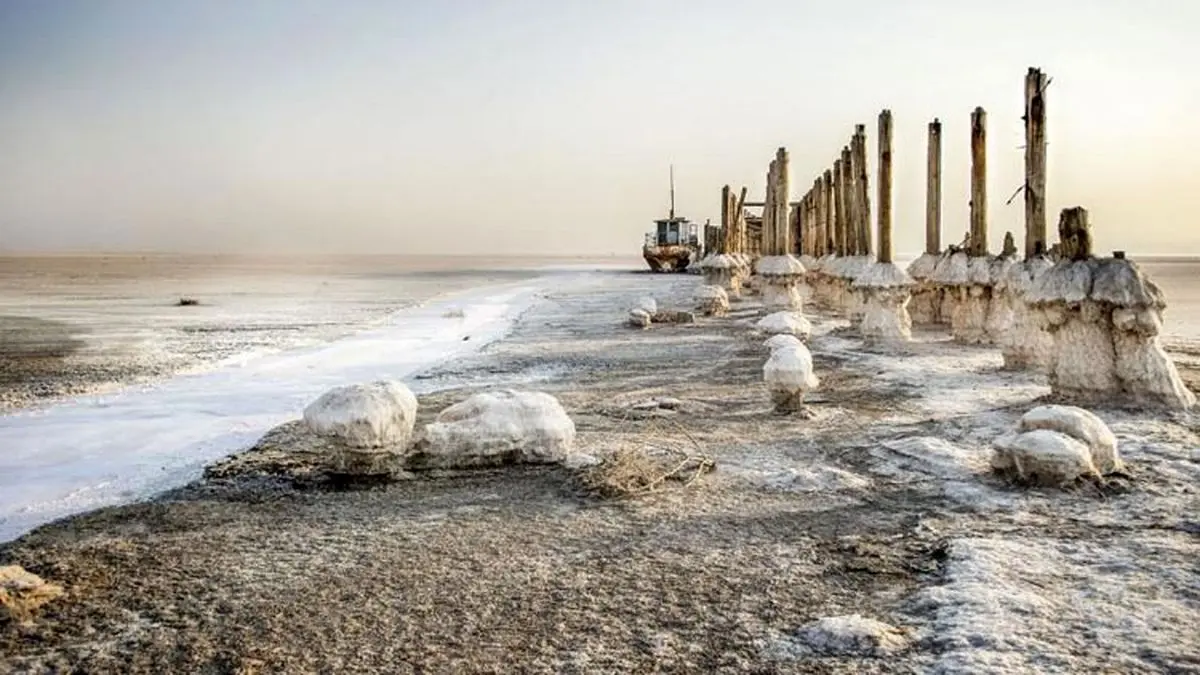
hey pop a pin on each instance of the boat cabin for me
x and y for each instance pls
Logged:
(674, 232)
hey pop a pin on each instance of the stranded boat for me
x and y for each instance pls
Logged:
(675, 242)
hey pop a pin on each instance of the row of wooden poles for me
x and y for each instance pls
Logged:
(834, 216)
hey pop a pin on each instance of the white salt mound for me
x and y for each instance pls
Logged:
(883, 275)
(501, 427)
(371, 415)
(852, 634)
(1080, 424)
(640, 318)
(647, 305)
(780, 265)
(722, 261)
(923, 267)
(952, 270)
(782, 341)
(785, 323)
(1043, 457)
(790, 370)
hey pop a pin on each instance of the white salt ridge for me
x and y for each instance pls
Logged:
(500, 427)
(102, 450)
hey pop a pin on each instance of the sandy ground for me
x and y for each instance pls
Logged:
(879, 505)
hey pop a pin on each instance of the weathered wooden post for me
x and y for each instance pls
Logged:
(864, 194)
(933, 190)
(830, 214)
(780, 271)
(979, 233)
(928, 296)
(885, 187)
(782, 198)
(1035, 162)
(848, 202)
(1075, 234)
(884, 286)
(739, 214)
(839, 209)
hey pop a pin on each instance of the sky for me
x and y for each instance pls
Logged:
(548, 127)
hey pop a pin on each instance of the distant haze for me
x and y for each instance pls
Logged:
(548, 127)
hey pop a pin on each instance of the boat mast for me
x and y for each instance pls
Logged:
(672, 192)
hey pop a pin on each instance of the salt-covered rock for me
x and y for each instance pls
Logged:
(712, 301)
(788, 374)
(640, 318)
(845, 296)
(852, 635)
(1082, 425)
(790, 323)
(497, 428)
(781, 277)
(886, 289)
(646, 304)
(782, 341)
(368, 425)
(22, 593)
(1043, 457)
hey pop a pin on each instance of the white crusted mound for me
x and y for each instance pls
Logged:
(883, 275)
(852, 635)
(782, 341)
(721, 261)
(780, 266)
(712, 300)
(640, 318)
(790, 323)
(886, 289)
(365, 416)
(1043, 457)
(495, 428)
(809, 261)
(979, 271)
(952, 270)
(1082, 425)
(923, 267)
(1106, 318)
(647, 304)
(788, 374)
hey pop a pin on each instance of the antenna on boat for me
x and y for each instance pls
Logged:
(672, 192)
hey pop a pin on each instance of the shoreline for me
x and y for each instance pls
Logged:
(882, 505)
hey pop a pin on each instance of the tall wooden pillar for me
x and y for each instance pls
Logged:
(933, 190)
(1035, 162)
(979, 233)
(885, 186)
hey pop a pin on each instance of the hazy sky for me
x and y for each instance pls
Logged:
(548, 127)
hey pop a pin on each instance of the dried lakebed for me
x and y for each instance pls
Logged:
(881, 505)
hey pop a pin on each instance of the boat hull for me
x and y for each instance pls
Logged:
(675, 258)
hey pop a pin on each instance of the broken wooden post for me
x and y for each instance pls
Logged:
(885, 187)
(1035, 162)
(933, 190)
(742, 240)
(1075, 234)
(979, 234)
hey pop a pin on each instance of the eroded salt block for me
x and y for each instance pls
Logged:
(366, 416)
(497, 428)
(1043, 457)
(782, 341)
(1082, 425)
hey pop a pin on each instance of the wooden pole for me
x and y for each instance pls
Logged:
(885, 187)
(822, 223)
(783, 188)
(830, 215)
(739, 216)
(839, 210)
(726, 217)
(979, 234)
(1035, 162)
(848, 238)
(864, 194)
(768, 213)
(933, 190)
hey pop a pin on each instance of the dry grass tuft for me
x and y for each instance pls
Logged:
(187, 302)
(22, 593)
(635, 470)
